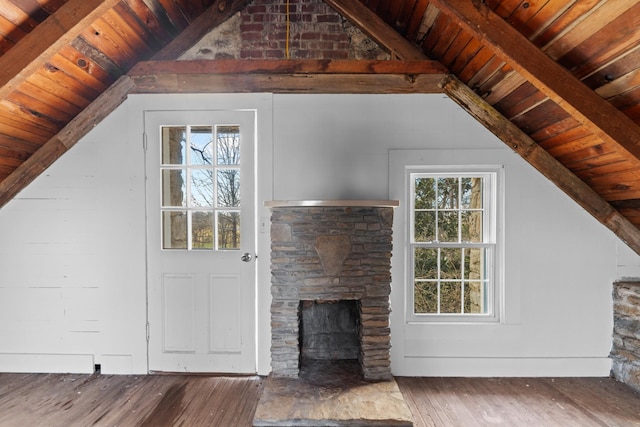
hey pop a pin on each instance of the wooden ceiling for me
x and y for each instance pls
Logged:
(557, 80)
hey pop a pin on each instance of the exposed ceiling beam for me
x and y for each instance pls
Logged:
(37, 47)
(510, 134)
(216, 14)
(288, 76)
(289, 66)
(535, 155)
(24, 174)
(602, 118)
(378, 30)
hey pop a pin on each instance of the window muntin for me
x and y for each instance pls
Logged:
(200, 194)
(452, 245)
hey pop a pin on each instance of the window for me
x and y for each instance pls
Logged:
(200, 187)
(452, 244)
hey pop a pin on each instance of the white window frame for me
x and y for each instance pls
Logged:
(189, 167)
(493, 203)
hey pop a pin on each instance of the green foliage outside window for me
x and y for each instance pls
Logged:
(448, 210)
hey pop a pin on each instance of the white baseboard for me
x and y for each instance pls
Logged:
(118, 364)
(502, 367)
(46, 363)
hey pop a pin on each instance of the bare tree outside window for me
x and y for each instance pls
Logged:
(205, 180)
(228, 184)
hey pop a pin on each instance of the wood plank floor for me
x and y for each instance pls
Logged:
(558, 402)
(175, 400)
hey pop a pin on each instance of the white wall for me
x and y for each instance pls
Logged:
(72, 255)
(559, 262)
(72, 260)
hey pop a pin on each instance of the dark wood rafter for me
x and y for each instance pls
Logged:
(516, 53)
(290, 66)
(378, 30)
(65, 139)
(510, 134)
(603, 119)
(535, 155)
(63, 28)
(288, 76)
(34, 49)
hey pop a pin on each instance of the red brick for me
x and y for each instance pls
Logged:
(335, 54)
(256, 8)
(334, 36)
(252, 36)
(327, 18)
(252, 54)
(279, 35)
(310, 36)
(251, 27)
(303, 54)
(274, 54)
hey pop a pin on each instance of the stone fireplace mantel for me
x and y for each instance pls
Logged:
(332, 203)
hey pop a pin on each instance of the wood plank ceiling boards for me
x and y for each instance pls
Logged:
(557, 80)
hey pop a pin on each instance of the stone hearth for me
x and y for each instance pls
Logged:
(331, 393)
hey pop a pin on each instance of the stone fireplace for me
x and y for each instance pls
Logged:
(330, 335)
(330, 284)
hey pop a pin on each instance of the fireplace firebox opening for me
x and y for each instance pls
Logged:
(329, 331)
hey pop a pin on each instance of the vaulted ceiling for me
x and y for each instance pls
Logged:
(557, 80)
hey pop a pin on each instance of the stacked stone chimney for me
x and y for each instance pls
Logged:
(331, 251)
(625, 352)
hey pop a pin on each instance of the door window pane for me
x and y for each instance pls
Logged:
(173, 187)
(200, 172)
(202, 230)
(201, 145)
(174, 229)
(173, 145)
(228, 230)
(228, 145)
(228, 181)
(202, 188)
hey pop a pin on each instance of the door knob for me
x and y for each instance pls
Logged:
(246, 257)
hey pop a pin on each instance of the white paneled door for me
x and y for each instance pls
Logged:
(201, 241)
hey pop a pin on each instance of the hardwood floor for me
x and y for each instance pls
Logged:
(113, 400)
(175, 400)
(558, 402)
